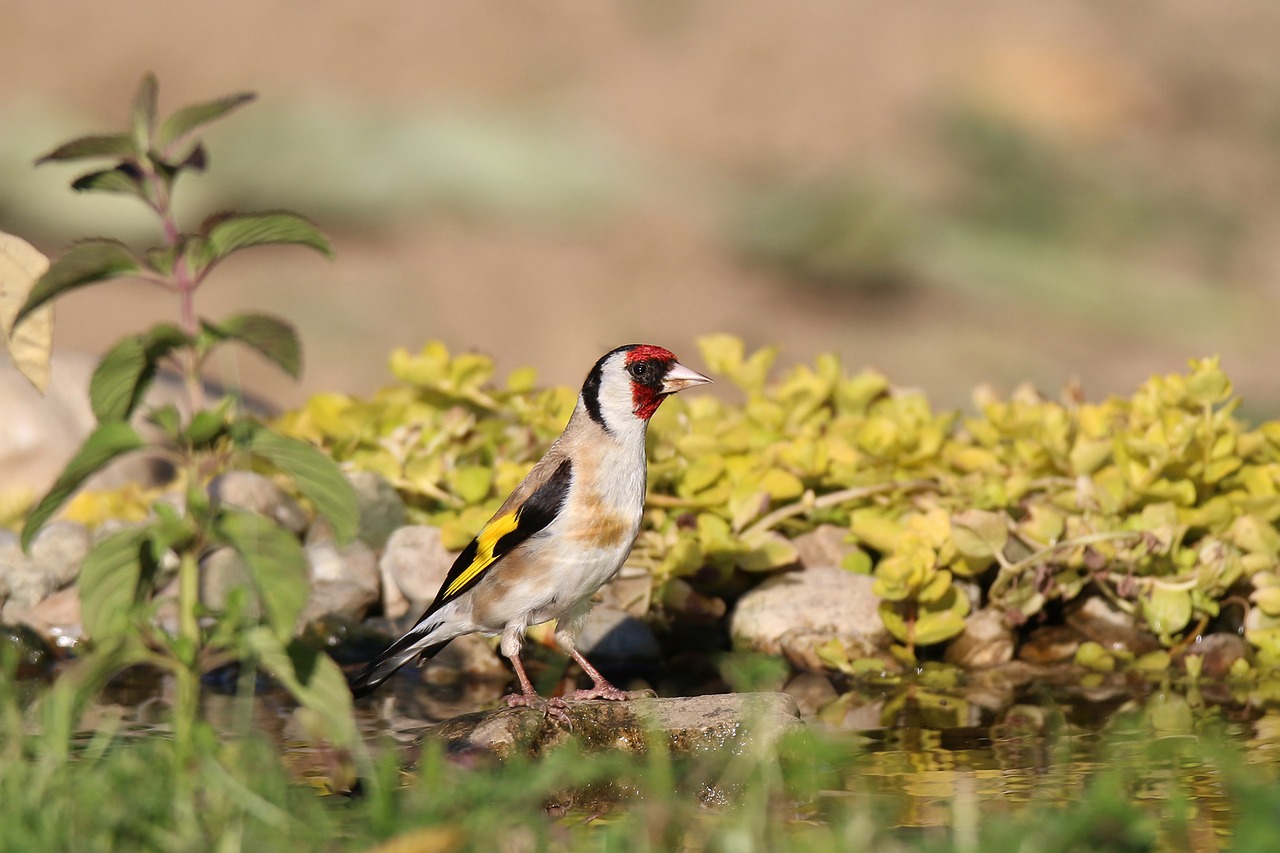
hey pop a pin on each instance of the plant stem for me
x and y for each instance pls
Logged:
(182, 281)
(187, 700)
(832, 499)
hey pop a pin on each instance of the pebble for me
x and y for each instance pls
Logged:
(986, 641)
(415, 563)
(254, 492)
(381, 507)
(610, 634)
(809, 607)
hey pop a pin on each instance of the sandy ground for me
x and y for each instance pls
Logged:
(718, 91)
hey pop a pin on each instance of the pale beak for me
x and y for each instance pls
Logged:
(679, 377)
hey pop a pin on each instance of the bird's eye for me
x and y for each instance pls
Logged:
(639, 370)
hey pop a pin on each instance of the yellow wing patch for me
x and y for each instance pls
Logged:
(486, 541)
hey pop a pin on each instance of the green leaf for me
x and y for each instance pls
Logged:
(275, 560)
(187, 119)
(206, 428)
(108, 441)
(86, 147)
(121, 179)
(125, 373)
(144, 110)
(230, 233)
(1167, 609)
(314, 680)
(316, 475)
(979, 534)
(85, 263)
(168, 420)
(109, 584)
(274, 338)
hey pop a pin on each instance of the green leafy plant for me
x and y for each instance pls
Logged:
(1165, 502)
(122, 577)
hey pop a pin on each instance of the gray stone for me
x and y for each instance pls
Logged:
(415, 563)
(631, 590)
(615, 635)
(222, 571)
(470, 656)
(985, 641)
(381, 507)
(806, 608)
(40, 433)
(811, 691)
(249, 490)
(59, 549)
(825, 545)
(23, 583)
(353, 562)
(342, 598)
(734, 721)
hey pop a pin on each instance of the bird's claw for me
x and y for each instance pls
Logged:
(557, 709)
(609, 693)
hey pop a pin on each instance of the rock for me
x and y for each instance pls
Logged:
(986, 641)
(610, 634)
(342, 598)
(801, 610)
(40, 433)
(223, 571)
(734, 721)
(354, 562)
(1217, 652)
(23, 583)
(415, 563)
(1050, 644)
(631, 590)
(470, 657)
(60, 548)
(825, 545)
(249, 490)
(381, 507)
(811, 691)
(56, 618)
(1099, 620)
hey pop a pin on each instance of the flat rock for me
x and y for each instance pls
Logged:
(689, 725)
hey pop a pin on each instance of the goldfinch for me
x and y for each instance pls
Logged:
(561, 535)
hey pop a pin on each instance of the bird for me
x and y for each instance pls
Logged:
(562, 534)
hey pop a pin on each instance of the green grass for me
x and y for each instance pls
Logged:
(1140, 787)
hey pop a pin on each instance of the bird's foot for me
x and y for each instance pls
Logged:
(605, 690)
(555, 708)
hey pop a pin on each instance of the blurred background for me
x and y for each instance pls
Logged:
(981, 191)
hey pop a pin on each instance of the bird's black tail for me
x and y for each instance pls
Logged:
(385, 665)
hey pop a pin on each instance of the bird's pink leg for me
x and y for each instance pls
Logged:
(527, 697)
(600, 688)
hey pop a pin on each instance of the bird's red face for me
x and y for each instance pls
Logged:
(655, 375)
